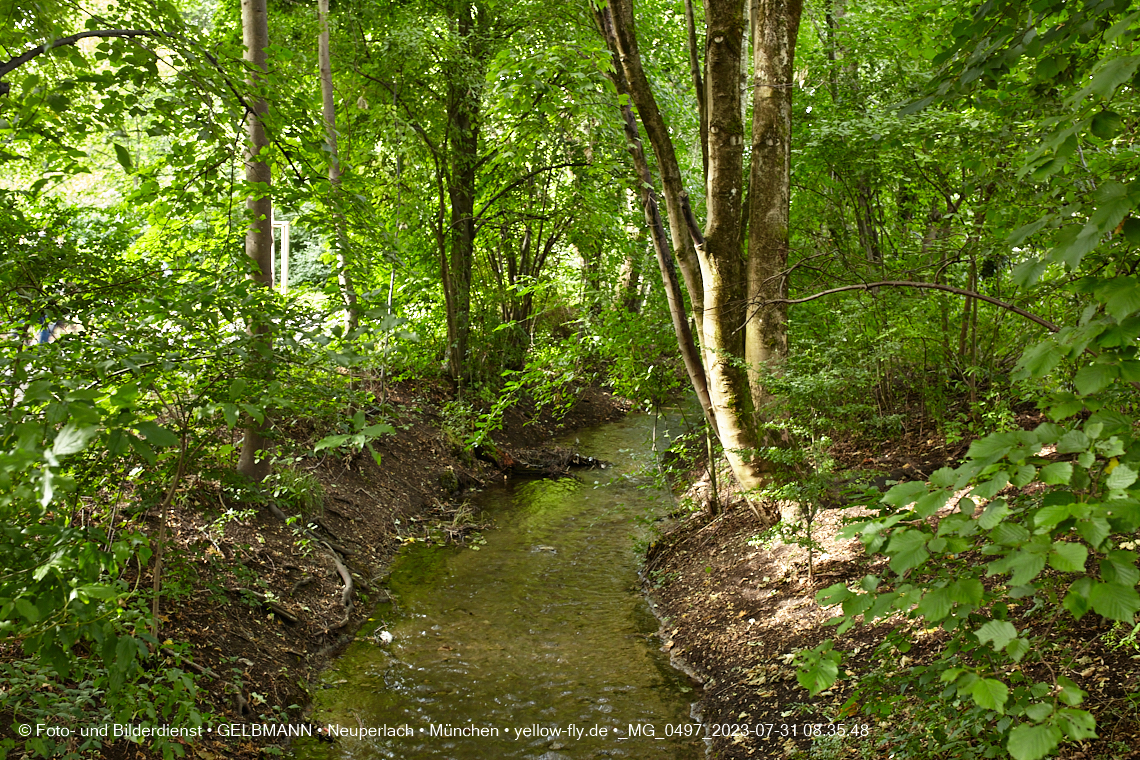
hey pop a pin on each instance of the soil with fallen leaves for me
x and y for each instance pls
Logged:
(260, 602)
(735, 608)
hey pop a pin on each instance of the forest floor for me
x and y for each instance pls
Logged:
(258, 606)
(736, 609)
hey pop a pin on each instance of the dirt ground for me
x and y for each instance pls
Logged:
(735, 611)
(261, 606)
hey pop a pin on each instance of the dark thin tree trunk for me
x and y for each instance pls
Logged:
(328, 111)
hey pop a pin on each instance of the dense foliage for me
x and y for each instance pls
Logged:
(962, 175)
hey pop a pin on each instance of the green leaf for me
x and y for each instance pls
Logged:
(1095, 378)
(1077, 600)
(123, 156)
(818, 668)
(1114, 602)
(1119, 567)
(1070, 693)
(904, 493)
(990, 694)
(833, 594)
(1000, 632)
(907, 549)
(996, 511)
(1032, 742)
(379, 429)
(72, 439)
(1039, 711)
(1076, 725)
(1017, 649)
(1021, 233)
(936, 604)
(230, 414)
(1121, 297)
(1106, 125)
(1121, 477)
(1113, 74)
(332, 442)
(992, 448)
(1068, 557)
(155, 434)
(1072, 442)
(27, 610)
(967, 591)
(1056, 474)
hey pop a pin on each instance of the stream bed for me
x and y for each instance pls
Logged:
(534, 644)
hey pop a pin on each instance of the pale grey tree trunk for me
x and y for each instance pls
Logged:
(776, 24)
(253, 461)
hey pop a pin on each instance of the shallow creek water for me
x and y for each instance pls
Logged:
(542, 628)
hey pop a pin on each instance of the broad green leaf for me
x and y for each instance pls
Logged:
(1000, 632)
(1095, 378)
(1056, 474)
(818, 668)
(1121, 297)
(332, 442)
(833, 594)
(936, 604)
(1119, 567)
(904, 493)
(1039, 711)
(907, 549)
(72, 439)
(967, 591)
(1068, 557)
(1076, 725)
(1070, 693)
(992, 448)
(1094, 530)
(230, 414)
(1121, 477)
(1032, 742)
(155, 434)
(1106, 125)
(931, 503)
(1019, 235)
(379, 429)
(990, 694)
(989, 488)
(1017, 649)
(996, 511)
(1077, 600)
(27, 610)
(1112, 74)
(1115, 602)
(1072, 442)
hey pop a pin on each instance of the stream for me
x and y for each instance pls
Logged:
(534, 644)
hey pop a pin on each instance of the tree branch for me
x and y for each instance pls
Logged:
(20, 60)
(921, 285)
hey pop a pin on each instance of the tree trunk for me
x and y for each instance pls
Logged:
(259, 207)
(682, 225)
(689, 353)
(723, 267)
(776, 24)
(464, 100)
(328, 111)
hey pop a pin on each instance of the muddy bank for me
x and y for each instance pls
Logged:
(259, 602)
